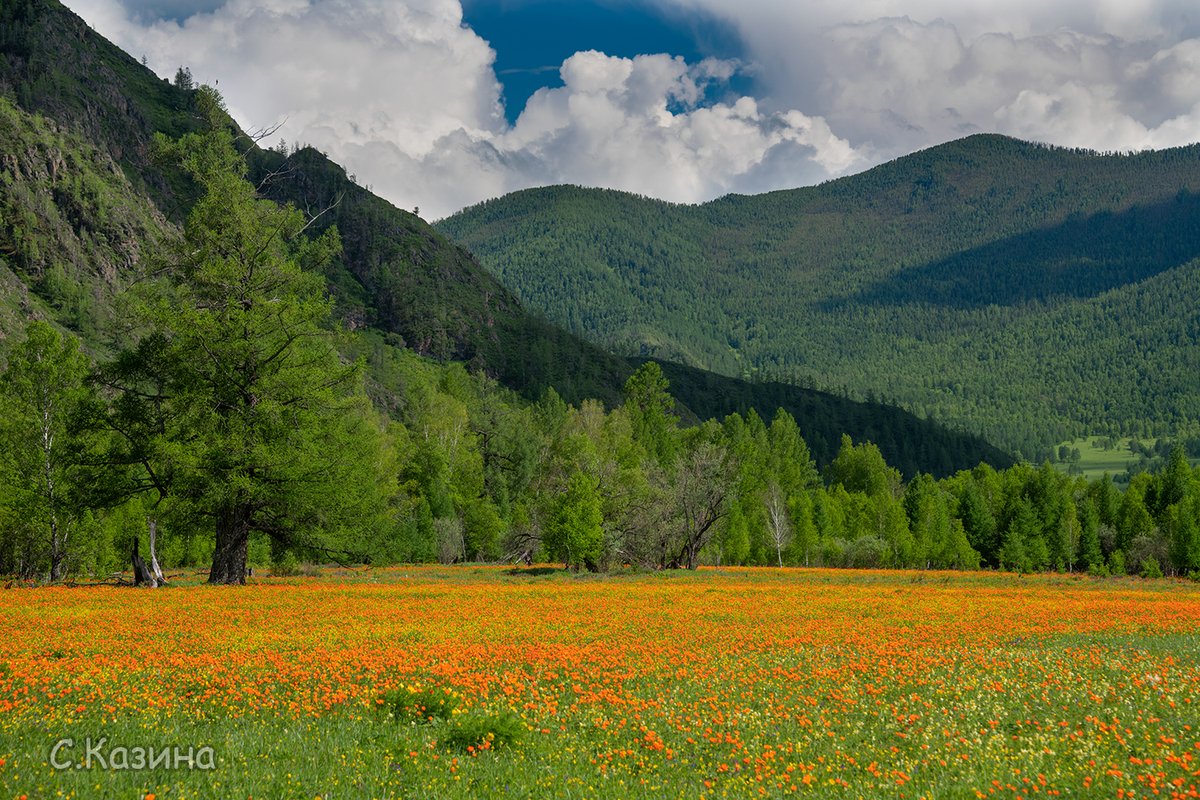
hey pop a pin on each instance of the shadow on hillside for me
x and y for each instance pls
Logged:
(909, 443)
(1079, 258)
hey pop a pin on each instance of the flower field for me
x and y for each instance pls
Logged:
(481, 682)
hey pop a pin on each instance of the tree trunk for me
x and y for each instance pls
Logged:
(155, 569)
(140, 573)
(233, 540)
(58, 550)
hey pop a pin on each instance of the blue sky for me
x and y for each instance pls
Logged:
(533, 37)
(443, 103)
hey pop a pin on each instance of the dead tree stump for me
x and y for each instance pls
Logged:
(140, 572)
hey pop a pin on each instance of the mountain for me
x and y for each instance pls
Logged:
(70, 224)
(83, 200)
(1028, 293)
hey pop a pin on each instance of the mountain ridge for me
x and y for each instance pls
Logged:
(917, 276)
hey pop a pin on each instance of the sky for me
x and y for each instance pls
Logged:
(439, 104)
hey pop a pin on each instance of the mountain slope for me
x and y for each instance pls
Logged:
(53, 64)
(400, 275)
(70, 225)
(1028, 293)
(397, 275)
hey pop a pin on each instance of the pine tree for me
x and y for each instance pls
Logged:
(651, 410)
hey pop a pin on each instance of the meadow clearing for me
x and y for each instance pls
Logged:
(492, 682)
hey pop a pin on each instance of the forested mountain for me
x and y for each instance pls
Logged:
(84, 199)
(1029, 293)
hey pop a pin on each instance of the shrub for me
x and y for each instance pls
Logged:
(1098, 570)
(1144, 548)
(419, 704)
(286, 565)
(867, 552)
(480, 731)
(832, 553)
(1116, 563)
(1150, 568)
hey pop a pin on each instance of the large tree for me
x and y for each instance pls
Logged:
(575, 531)
(269, 428)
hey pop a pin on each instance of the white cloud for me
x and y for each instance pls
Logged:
(404, 95)
(1066, 87)
(636, 124)
(891, 76)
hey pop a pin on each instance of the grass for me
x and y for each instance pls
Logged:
(732, 682)
(1095, 461)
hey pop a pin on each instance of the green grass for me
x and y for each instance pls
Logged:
(1095, 462)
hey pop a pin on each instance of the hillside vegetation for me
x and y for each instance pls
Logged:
(85, 198)
(1028, 293)
(70, 225)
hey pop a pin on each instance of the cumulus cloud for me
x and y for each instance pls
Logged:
(891, 76)
(407, 98)
(638, 124)
(901, 84)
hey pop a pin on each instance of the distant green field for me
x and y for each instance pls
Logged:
(1095, 461)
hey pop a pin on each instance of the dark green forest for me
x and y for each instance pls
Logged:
(1027, 293)
(190, 361)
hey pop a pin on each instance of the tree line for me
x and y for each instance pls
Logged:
(231, 423)
(466, 471)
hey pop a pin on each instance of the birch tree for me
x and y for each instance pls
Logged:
(43, 389)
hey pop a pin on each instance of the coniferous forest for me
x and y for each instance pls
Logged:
(1027, 293)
